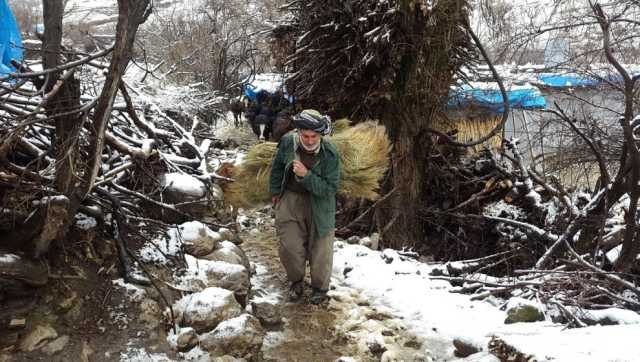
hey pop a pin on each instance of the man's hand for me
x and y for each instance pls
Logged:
(274, 200)
(299, 168)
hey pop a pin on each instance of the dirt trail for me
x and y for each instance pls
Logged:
(308, 333)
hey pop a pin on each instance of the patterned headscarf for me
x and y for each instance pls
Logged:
(313, 120)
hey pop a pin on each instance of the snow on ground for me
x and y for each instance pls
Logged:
(268, 293)
(142, 355)
(436, 315)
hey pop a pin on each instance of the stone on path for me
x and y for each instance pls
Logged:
(267, 313)
(56, 346)
(523, 310)
(465, 347)
(204, 310)
(37, 338)
(241, 337)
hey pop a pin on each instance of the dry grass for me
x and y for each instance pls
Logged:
(364, 154)
(472, 129)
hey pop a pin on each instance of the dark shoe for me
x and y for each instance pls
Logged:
(318, 296)
(295, 291)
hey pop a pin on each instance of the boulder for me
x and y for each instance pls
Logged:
(268, 314)
(206, 273)
(197, 238)
(465, 347)
(204, 310)
(37, 338)
(188, 192)
(56, 346)
(150, 313)
(371, 242)
(523, 310)
(227, 234)
(230, 253)
(241, 337)
(375, 343)
(187, 338)
(180, 187)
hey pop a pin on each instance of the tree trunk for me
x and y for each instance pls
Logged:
(421, 88)
(66, 96)
(62, 94)
(131, 13)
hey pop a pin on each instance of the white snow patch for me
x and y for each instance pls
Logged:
(141, 355)
(436, 316)
(85, 222)
(521, 302)
(197, 269)
(195, 354)
(184, 184)
(233, 327)
(615, 315)
(193, 230)
(203, 302)
(502, 209)
(156, 251)
(9, 258)
(134, 292)
(613, 254)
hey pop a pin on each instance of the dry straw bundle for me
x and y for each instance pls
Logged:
(364, 154)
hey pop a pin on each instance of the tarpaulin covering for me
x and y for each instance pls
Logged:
(10, 39)
(523, 97)
(566, 80)
(268, 83)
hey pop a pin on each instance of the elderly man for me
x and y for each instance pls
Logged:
(303, 184)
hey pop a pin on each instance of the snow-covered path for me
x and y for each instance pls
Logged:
(347, 326)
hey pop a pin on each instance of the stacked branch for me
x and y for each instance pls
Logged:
(68, 144)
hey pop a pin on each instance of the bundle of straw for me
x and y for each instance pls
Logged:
(364, 154)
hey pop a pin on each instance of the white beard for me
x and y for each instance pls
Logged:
(311, 149)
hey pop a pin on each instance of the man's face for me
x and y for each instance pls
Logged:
(309, 138)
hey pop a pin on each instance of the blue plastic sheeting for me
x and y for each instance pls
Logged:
(252, 93)
(10, 39)
(566, 81)
(491, 99)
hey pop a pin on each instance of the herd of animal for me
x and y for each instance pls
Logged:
(269, 116)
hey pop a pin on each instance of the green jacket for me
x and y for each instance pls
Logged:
(321, 181)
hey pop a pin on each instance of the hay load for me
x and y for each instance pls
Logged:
(364, 154)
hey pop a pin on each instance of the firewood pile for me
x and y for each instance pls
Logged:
(513, 233)
(154, 165)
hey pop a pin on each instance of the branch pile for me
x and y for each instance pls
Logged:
(153, 166)
(517, 233)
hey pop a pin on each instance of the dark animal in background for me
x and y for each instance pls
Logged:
(282, 124)
(237, 108)
(261, 126)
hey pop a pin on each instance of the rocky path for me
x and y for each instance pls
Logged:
(308, 332)
(345, 327)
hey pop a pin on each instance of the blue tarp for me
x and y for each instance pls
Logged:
(10, 39)
(266, 83)
(567, 80)
(522, 98)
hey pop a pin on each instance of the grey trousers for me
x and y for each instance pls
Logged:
(299, 241)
